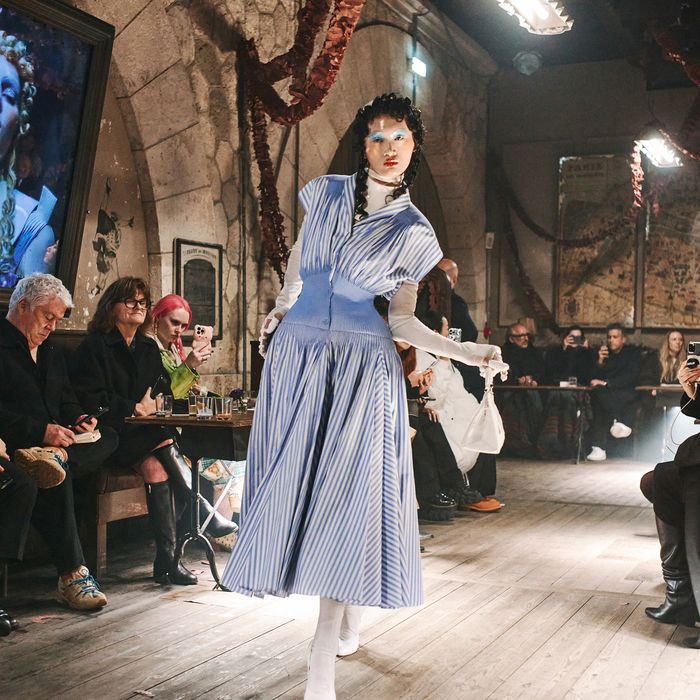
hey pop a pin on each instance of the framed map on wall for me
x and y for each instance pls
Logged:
(672, 251)
(596, 283)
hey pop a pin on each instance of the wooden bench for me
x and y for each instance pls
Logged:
(118, 494)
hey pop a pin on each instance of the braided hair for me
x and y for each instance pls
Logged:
(400, 108)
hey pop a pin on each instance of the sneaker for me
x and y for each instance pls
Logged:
(80, 591)
(486, 505)
(620, 430)
(596, 455)
(46, 465)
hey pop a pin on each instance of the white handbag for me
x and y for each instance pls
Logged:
(485, 432)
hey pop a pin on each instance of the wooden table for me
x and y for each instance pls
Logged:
(238, 421)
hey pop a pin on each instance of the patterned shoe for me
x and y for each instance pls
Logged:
(46, 465)
(80, 591)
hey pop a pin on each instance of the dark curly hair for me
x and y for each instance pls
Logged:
(399, 108)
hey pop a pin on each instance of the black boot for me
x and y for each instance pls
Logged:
(679, 607)
(180, 474)
(162, 514)
(7, 623)
(439, 508)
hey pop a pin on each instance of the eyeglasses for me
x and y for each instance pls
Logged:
(519, 335)
(133, 303)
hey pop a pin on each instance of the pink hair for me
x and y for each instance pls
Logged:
(171, 302)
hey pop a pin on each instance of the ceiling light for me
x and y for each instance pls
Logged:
(419, 67)
(660, 152)
(527, 62)
(539, 16)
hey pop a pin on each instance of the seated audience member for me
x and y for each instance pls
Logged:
(671, 357)
(459, 317)
(118, 366)
(172, 317)
(38, 406)
(521, 411)
(674, 489)
(572, 360)
(454, 407)
(614, 378)
(434, 468)
(52, 513)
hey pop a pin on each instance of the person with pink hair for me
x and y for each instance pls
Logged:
(172, 317)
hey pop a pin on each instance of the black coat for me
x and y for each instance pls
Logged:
(461, 318)
(33, 394)
(561, 364)
(620, 370)
(523, 362)
(106, 372)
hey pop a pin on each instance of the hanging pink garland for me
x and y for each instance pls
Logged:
(308, 93)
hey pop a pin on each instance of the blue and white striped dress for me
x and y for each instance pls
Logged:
(329, 504)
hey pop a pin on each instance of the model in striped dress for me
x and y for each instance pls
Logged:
(329, 507)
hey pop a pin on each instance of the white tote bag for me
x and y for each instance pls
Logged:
(485, 432)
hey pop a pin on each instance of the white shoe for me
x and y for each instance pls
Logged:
(620, 430)
(596, 455)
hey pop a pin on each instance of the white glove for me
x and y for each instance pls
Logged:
(288, 295)
(405, 326)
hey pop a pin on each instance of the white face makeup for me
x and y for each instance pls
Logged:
(389, 146)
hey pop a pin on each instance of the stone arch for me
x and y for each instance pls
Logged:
(377, 62)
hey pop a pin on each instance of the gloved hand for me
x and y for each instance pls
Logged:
(272, 320)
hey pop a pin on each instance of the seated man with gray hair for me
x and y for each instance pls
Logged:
(40, 419)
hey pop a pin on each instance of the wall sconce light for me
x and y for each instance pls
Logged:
(657, 148)
(539, 16)
(419, 67)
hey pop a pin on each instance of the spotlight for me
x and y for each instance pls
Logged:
(657, 148)
(539, 16)
(527, 62)
(419, 67)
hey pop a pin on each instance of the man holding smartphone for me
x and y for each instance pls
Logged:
(37, 406)
(614, 378)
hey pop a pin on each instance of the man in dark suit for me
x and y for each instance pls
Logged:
(461, 318)
(41, 419)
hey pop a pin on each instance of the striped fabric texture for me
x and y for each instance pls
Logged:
(329, 504)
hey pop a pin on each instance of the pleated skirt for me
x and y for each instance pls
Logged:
(329, 502)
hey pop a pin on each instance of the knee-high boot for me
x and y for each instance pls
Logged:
(162, 515)
(679, 606)
(320, 683)
(179, 472)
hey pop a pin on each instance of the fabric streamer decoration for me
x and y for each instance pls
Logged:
(308, 89)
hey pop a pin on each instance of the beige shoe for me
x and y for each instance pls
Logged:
(46, 465)
(80, 591)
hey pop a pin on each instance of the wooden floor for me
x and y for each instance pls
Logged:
(544, 599)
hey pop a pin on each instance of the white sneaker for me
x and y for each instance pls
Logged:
(620, 430)
(596, 455)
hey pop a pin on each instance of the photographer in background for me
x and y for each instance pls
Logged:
(573, 358)
(614, 378)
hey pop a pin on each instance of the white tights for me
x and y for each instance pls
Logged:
(320, 684)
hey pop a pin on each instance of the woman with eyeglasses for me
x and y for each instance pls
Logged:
(119, 367)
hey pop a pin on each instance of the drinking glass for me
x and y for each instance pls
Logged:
(573, 381)
(205, 407)
(192, 404)
(164, 405)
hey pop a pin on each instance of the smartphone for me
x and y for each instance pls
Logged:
(5, 480)
(202, 337)
(99, 412)
(455, 334)
(577, 340)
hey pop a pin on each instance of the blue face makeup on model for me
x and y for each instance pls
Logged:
(378, 136)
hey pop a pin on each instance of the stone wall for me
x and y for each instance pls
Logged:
(175, 88)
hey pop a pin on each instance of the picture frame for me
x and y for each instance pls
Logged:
(199, 279)
(47, 169)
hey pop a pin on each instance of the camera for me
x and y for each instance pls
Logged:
(693, 354)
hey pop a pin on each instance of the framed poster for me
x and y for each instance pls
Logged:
(672, 251)
(596, 283)
(198, 278)
(54, 62)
